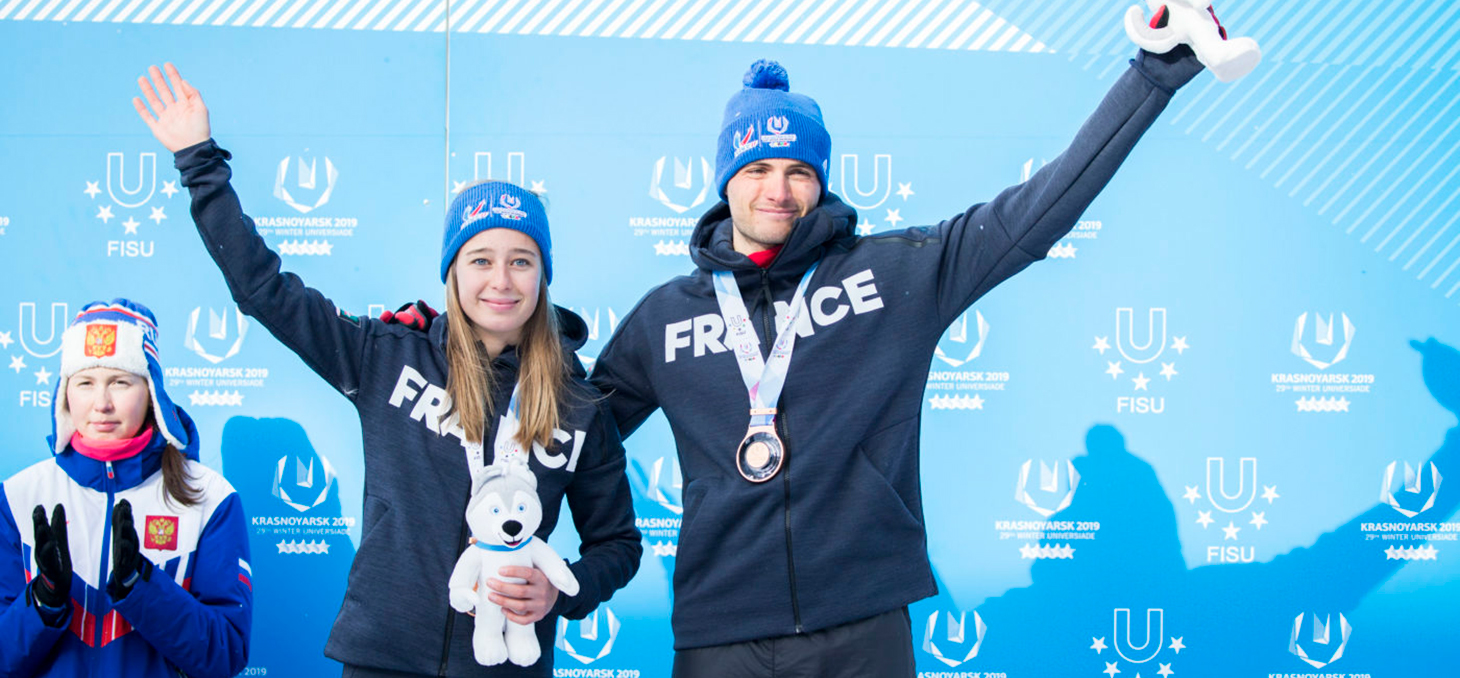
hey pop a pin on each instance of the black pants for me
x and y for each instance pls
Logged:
(876, 647)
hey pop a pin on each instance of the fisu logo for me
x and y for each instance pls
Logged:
(957, 636)
(850, 182)
(31, 341)
(588, 636)
(1147, 650)
(116, 179)
(1125, 335)
(705, 333)
(1246, 484)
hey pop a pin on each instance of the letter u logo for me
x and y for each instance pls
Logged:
(116, 179)
(851, 181)
(1246, 484)
(60, 312)
(1125, 335)
(1155, 619)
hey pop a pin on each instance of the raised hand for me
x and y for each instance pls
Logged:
(52, 584)
(177, 116)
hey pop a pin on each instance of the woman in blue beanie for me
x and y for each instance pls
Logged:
(497, 378)
(82, 593)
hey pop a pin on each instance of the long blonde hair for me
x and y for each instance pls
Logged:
(542, 372)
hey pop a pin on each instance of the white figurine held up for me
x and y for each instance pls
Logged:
(503, 514)
(1194, 23)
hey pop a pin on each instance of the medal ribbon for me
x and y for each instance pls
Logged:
(504, 443)
(764, 377)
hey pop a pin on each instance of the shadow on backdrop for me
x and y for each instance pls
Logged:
(301, 550)
(1231, 619)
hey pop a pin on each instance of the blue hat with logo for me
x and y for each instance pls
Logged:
(120, 334)
(495, 204)
(765, 120)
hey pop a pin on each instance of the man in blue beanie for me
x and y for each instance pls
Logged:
(803, 538)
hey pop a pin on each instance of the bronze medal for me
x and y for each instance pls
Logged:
(761, 452)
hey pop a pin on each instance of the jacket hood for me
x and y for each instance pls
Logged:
(572, 334)
(832, 221)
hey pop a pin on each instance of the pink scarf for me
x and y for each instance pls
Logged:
(111, 450)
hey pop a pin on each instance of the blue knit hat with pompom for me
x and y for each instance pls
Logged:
(765, 120)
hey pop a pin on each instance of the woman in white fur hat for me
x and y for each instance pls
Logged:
(82, 591)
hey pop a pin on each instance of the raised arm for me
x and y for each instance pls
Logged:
(992, 241)
(330, 342)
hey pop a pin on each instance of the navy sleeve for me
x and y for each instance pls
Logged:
(992, 241)
(603, 513)
(621, 377)
(203, 630)
(329, 342)
(24, 638)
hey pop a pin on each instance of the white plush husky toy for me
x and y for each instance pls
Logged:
(1192, 22)
(503, 514)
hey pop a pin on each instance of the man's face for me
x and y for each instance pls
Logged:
(766, 198)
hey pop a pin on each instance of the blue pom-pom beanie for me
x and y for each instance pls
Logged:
(765, 120)
(495, 204)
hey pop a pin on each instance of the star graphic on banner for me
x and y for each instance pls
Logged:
(539, 187)
(1258, 519)
(1141, 381)
(1028, 551)
(92, 189)
(17, 363)
(1098, 646)
(975, 403)
(105, 213)
(1168, 370)
(1230, 531)
(865, 228)
(169, 188)
(1114, 370)
(1102, 344)
(1269, 492)
(1179, 344)
(42, 377)
(1191, 494)
(157, 215)
(1176, 645)
(1165, 671)
(131, 224)
(1110, 669)
(665, 549)
(5, 340)
(894, 216)
(1205, 518)
(905, 190)
(456, 186)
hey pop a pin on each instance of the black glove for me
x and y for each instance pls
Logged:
(128, 565)
(416, 316)
(52, 584)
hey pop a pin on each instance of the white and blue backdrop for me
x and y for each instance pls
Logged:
(1207, 437)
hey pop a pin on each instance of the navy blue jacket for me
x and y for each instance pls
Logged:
(839, 535)
(395, 615)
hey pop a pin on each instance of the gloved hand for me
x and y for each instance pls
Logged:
(417, 316)
(52, 584)
(128, 565)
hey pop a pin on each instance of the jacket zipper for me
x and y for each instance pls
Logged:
(106, 546)
(450, 617)
(768, 327)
